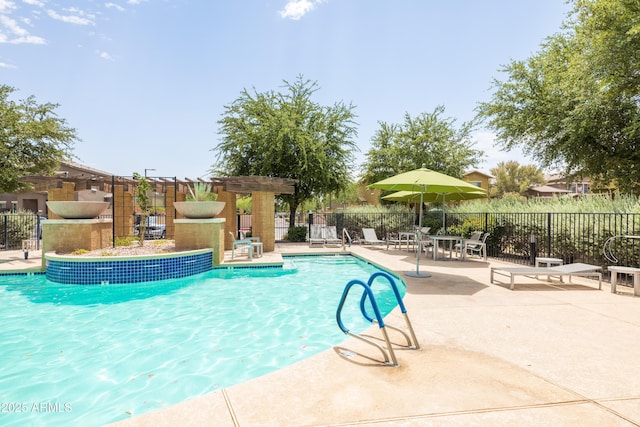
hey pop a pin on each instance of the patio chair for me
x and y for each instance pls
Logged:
(394, 239)
(478, 247)
(316, 235)
(370, 237)
(425, 242)
(331, 235)
(475, 238)
(241, 245)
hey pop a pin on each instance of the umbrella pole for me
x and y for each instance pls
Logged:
(418, 237)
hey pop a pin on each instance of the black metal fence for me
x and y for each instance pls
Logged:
(513, 237)
(18, 230)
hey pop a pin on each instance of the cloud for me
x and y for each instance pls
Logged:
(135, 1)
(106, 56)
(6, 5)
(19, 34)
(5, 65)
(296, 9)
(77, 17)
(114, 6)
(34, 3)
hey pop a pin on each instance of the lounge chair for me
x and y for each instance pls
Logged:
(331, 235)
(370, 237)
(575, 269)
(316, 235)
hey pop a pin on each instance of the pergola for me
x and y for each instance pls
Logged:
(263, 190)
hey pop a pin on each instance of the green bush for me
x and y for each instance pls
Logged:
(297, 234)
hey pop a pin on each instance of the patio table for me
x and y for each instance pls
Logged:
(408, 237)
(445, 238)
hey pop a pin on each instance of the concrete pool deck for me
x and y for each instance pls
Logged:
(542, 354)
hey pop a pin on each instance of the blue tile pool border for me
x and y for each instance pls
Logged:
(108, 270)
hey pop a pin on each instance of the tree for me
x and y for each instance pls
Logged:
(511, 177)
(143, 188)
(287, 135)
(575, 103)
(33, 140)
(426, 139)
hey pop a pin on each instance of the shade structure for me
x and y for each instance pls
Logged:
(425, 183)
(414, 196)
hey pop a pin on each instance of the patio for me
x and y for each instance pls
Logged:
(544, 353)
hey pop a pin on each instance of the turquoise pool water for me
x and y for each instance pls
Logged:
(90, 355)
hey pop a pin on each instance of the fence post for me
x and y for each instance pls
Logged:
(6, 232)
(548, 234)
(532, 248)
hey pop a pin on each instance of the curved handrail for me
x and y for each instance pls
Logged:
(367, 289)
(411, 342)
(345, 233)
(606, 247)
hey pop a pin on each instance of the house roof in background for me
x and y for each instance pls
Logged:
(476, 171)
(548, 189)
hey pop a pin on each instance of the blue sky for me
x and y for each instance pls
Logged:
(144, 82)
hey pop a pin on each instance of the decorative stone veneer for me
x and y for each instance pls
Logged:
(263, 223)
(68, 235)
(192, 234)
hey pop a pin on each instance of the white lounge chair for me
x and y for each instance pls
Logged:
(331, 235)
(575, 269)
(370, 237)
(316, 235)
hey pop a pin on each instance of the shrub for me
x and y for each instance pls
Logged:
(125, 241)
(297, 234)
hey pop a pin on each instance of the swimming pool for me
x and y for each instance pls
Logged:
(90, 355)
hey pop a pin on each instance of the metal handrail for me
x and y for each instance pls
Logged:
(411, 342)
(606, 248)
(345, 234)
(389, 356)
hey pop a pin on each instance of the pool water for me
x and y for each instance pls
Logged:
(90, 355)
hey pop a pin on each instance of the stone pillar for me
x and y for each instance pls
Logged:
(192, 234)
(171, 196)
(263, 223)
(122, 211)
(229, 214)
(64, 194)
(68, 235)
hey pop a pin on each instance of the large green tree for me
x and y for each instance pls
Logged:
(288, 135)
(575, 104)
(429, 139)
(511, 177)
(33, 140)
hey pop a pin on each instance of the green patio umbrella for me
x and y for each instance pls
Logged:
(414, 197)
(425, 182)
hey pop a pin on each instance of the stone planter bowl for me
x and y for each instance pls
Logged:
(77, 209)
(199, 210)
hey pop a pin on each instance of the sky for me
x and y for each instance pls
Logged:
(145, 82)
